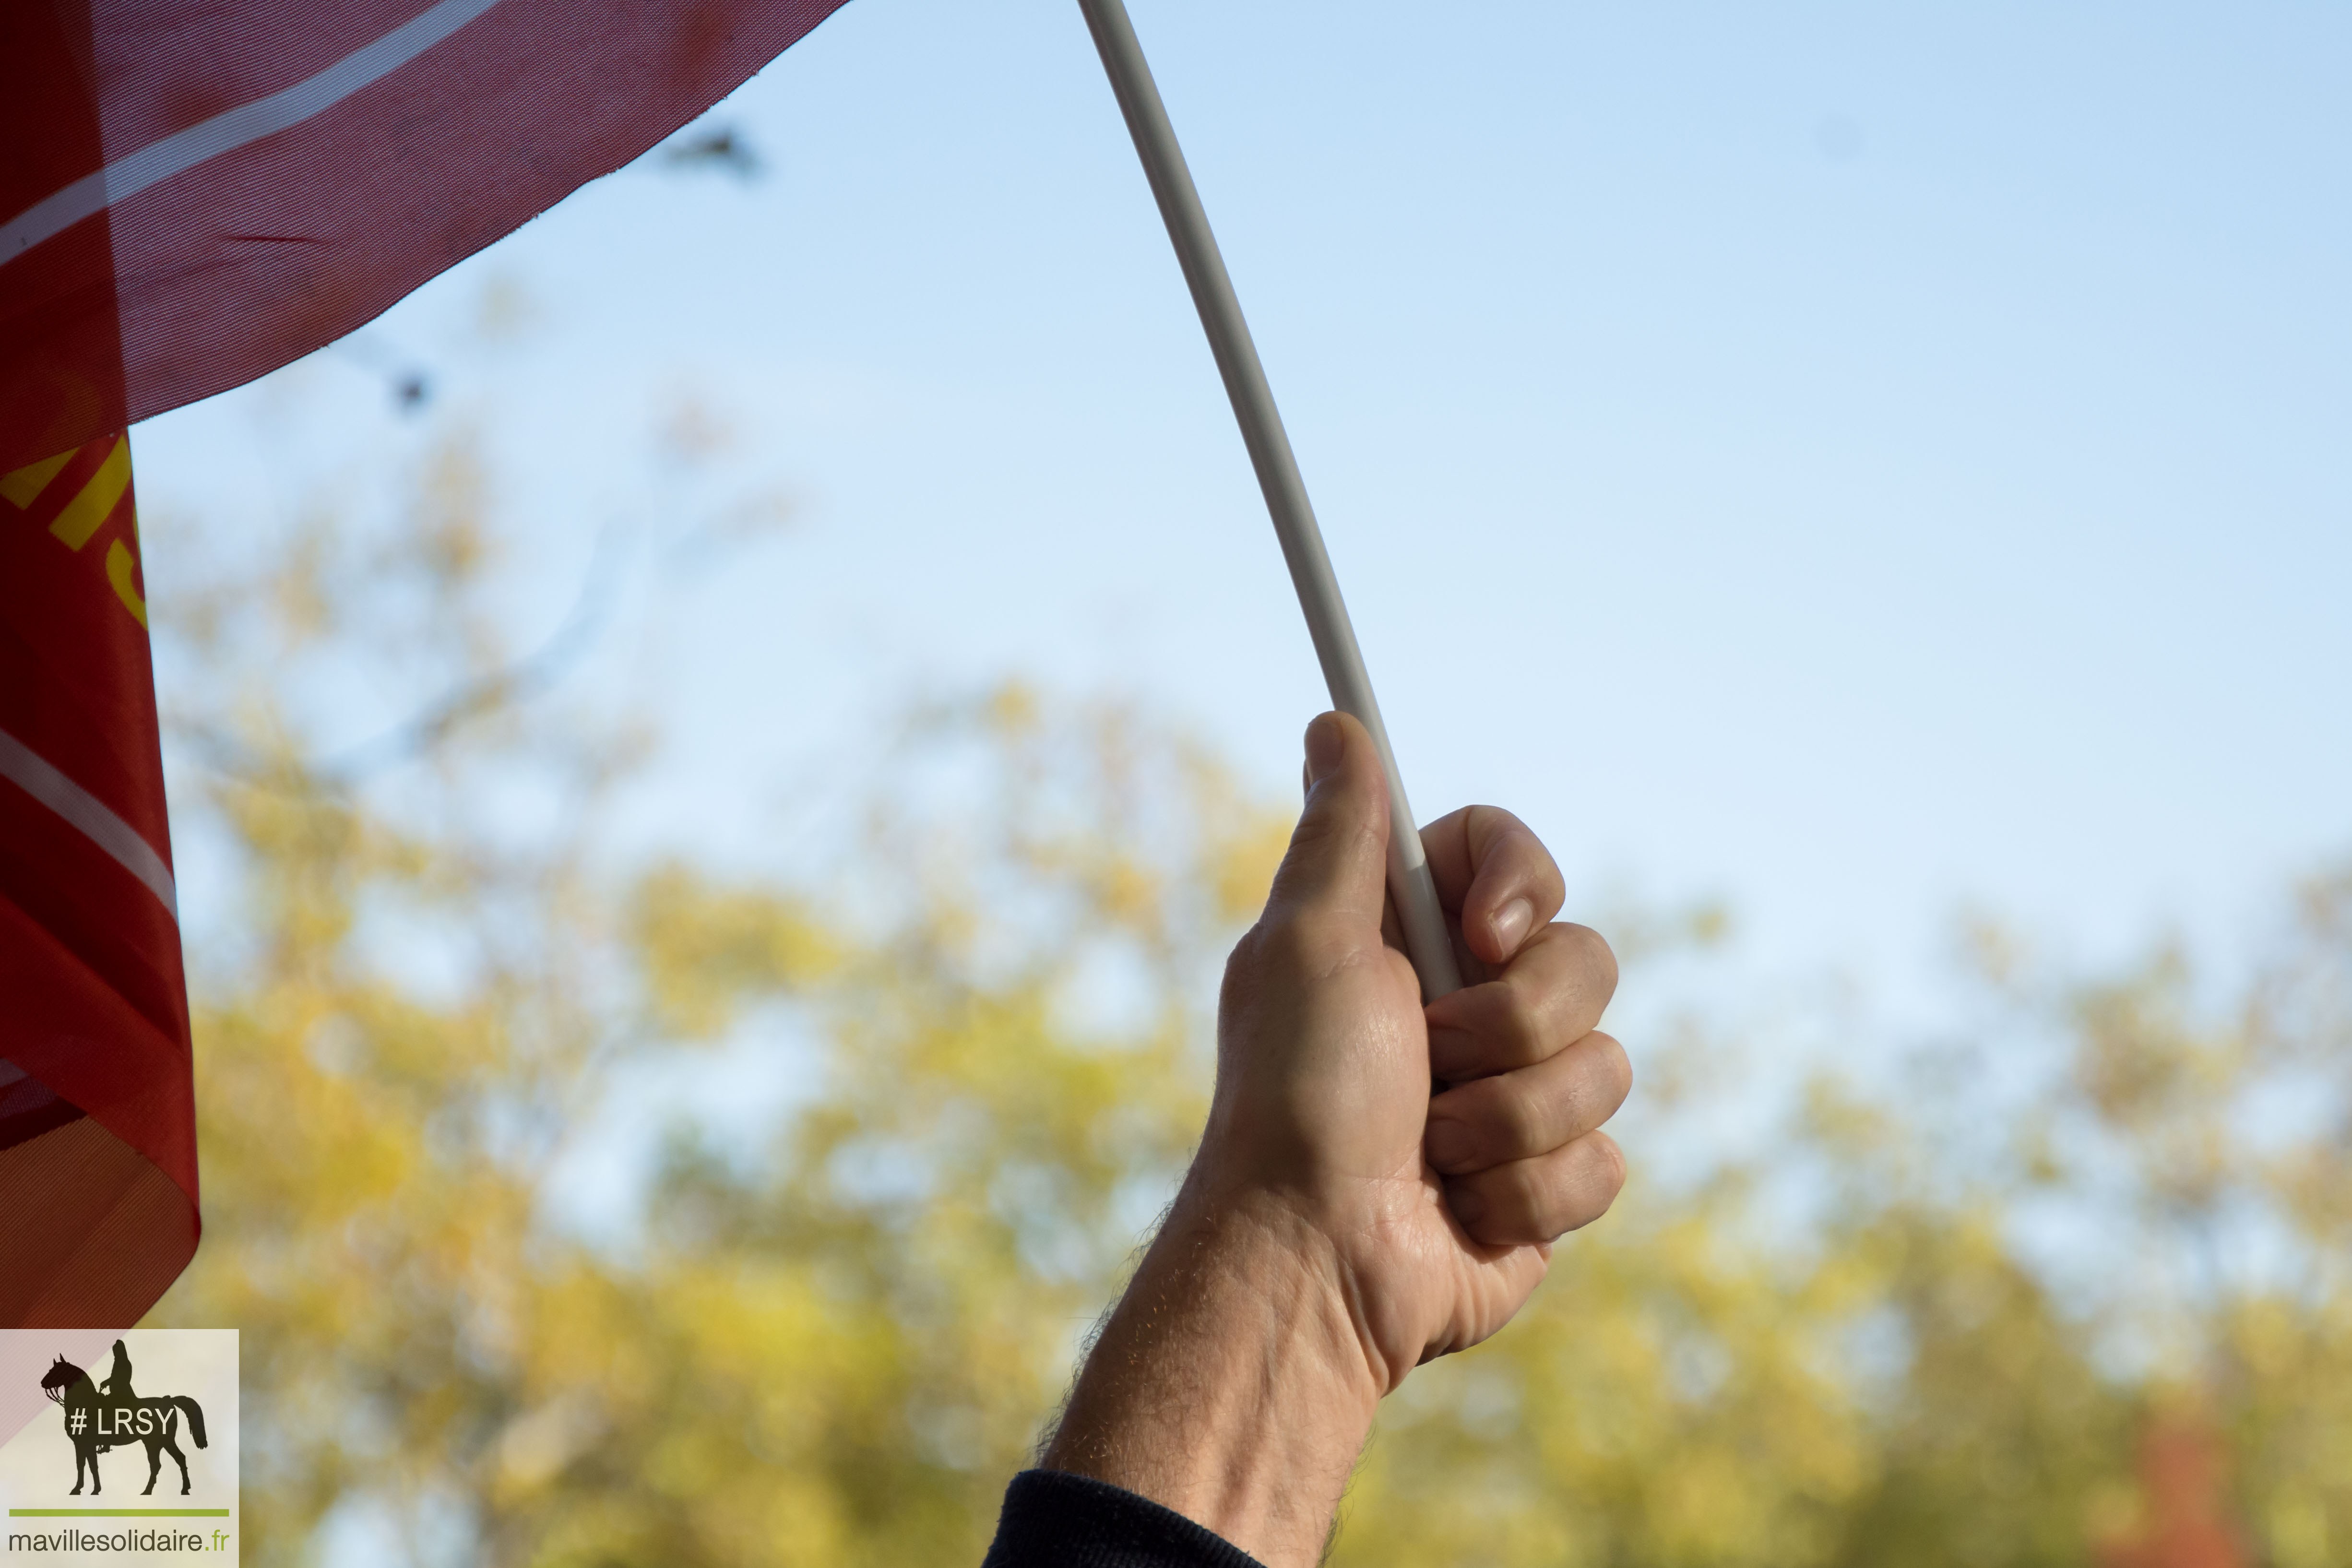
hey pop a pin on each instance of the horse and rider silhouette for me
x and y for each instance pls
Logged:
(98, 1419)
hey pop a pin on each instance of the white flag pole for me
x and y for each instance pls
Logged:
(1410, 883)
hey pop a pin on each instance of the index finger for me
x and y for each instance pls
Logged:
(1495, 876)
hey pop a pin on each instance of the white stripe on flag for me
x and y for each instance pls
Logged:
(233, 128)
(22, 766)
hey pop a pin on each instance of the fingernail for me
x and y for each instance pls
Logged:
(1511, 923)
(1448, 1144)
(1467, 1205)
(1325, 746)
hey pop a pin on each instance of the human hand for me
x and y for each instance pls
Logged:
(1439, 1212)
(1341, 1223)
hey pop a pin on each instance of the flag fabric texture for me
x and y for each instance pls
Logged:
(194, 193)
(98, 1150)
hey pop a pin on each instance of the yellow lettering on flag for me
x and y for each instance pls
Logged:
(95, 504)
(118, 563)
(30, 481)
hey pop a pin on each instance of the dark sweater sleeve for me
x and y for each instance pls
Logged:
(1057, 1521)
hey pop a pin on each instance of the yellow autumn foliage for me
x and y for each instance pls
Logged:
(1915, 1319)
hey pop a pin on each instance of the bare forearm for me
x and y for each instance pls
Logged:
(1230, 1384)
(1320, 1249)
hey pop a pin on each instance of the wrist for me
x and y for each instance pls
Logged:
(1231, 1384)
(1311, 1230)
(1287, 1246)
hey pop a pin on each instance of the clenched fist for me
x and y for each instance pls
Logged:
(1379, 1183)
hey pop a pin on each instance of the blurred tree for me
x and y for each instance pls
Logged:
(1846, 1349)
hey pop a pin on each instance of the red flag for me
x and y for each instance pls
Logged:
(98, 1148)
(194, 193)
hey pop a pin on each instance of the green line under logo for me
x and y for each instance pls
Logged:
(117, 1513)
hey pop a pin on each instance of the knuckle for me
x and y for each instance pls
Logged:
(1532, 1193)
(1521, 1206)
(1283, 937)
(1247, 961)
(1515, 1023)
(1584, 1186)
(1514, 1113)
(1596, 959)
(1606, 1162)
(1303, 940)
(1617, 1068)
(1485, 826)
(1332, 821)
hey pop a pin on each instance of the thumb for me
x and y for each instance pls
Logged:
(1337, 865)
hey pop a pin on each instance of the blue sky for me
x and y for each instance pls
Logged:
(1857, 460)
